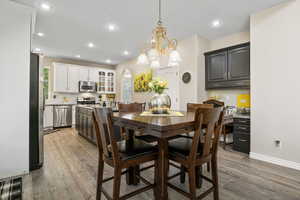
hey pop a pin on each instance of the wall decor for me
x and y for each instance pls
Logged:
(141, 81)
(186, 77)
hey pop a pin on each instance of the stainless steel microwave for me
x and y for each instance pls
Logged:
(87, 87)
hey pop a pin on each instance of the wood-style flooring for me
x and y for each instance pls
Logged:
(70, 169)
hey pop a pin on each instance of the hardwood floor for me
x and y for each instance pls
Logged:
(70, 168)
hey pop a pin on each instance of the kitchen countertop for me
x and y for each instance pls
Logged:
(61, 104)
(242, 116)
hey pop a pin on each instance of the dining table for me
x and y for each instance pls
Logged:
(161, 127)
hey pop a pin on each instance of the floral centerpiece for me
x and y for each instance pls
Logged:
(160, 103)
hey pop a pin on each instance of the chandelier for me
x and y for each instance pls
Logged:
(160, 46)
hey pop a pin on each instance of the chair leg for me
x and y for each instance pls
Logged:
(215, 178)
(199, 180)
(192, 182)
(99, 179)
(208, 166)
(117, 184)
(224, 138)
(182, 174)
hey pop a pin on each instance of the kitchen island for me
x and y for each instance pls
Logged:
(84, 123)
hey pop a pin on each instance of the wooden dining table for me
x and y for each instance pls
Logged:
(161, 127)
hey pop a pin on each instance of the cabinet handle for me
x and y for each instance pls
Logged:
(241, 140)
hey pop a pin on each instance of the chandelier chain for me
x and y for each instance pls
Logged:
(159, 13)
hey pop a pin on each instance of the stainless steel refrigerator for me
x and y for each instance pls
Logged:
(36, 134)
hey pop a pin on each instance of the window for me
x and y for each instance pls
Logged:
(127, 86)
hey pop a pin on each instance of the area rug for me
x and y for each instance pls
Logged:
(11, 189)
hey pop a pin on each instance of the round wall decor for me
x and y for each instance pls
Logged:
(186, 77)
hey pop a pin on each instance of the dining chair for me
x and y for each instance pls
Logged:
(136, 107)
(192, 153)
(192, 107)
(228, 128)
(120, 155)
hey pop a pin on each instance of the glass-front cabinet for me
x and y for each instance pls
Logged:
(106, 81)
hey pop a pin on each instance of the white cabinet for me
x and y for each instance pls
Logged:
(73, 79)
(66, 78)
(106, 81)
(48, 117)
(60, 77)
(94, 75)
(84, 74)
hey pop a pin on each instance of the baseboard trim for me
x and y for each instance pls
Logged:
(276, 161)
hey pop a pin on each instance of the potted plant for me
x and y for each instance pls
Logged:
(160, 103)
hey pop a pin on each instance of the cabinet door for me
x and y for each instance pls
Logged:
(110, 82)
(102, 81)
(94, 75)
(73, 78)
(84, 74)
(48, 117)
(216, 67)
(60, 78)
(239, 63)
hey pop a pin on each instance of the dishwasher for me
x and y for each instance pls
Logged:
(62, 116)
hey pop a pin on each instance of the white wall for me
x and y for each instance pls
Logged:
(229, 40)
(275, 85)
(15, 35)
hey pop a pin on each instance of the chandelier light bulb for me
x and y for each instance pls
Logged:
(155, 64)
(174, 58)
(143, 59)
(153, 55)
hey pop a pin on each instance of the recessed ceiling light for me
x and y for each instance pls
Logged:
(216, 23)
(91, 45)
(108, 61)
(45, 6)
(78, 56)
(111, 27)
(40, 34)
(37, 49)
(126, 53)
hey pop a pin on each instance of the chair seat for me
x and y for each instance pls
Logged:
(182, 145)
(138, 149)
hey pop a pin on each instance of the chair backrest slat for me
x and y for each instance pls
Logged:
(106, 138)
(191, 107)
(214, 102)
(132, 107)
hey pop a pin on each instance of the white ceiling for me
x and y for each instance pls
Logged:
(72, 24)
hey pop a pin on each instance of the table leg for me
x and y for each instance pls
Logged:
(163, 163)
(131, 178)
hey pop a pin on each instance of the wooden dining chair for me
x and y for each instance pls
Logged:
(192, 107)
(120, 155)
(136, 107)
(228, 128)
(192, 153)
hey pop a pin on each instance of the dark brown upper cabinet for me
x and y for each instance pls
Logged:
(218, 67)
(228, 67)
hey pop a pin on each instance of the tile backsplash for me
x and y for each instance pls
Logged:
(228, 96)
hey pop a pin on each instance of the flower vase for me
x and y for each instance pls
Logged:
(160, 104)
